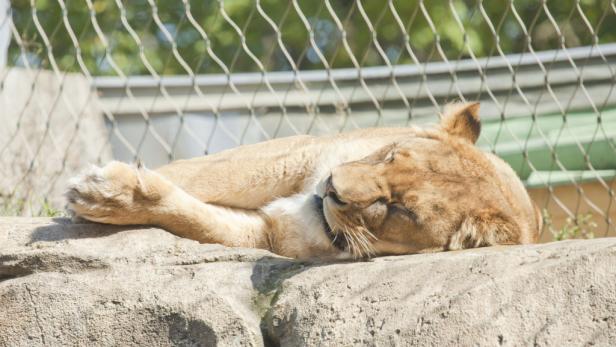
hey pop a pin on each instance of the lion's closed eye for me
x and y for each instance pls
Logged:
(403, 211)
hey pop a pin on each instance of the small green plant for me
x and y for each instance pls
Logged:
(580, 227)
(10, 207)
(21, 207)
(49, 211)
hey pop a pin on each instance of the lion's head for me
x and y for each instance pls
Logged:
(433, 191)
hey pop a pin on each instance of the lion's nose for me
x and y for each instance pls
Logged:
(331, 192)
(329, 186)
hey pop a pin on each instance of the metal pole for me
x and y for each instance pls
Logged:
(5, 30)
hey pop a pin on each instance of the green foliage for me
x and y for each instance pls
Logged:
(47, 210)
(16, 207)
(120, 49)
(580, 227)
(10, 207)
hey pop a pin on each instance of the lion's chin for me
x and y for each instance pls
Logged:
(337, 239)
(329, 217)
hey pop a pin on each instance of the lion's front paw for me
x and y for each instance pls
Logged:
(117, 194)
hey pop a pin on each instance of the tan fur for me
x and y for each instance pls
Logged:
(385, 191)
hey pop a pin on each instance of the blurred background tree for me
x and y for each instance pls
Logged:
(433, 30)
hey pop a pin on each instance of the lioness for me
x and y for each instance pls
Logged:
(364, 193)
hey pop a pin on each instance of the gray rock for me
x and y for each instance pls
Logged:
(96, 285)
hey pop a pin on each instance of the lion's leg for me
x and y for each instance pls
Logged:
(248, 176)
(125, 195)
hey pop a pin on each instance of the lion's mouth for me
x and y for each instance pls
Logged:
(332, 195)
(338, 240)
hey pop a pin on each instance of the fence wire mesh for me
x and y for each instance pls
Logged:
(162, 80)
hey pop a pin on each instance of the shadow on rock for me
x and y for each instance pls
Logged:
(64, 229)
(186, 331)
(269, 272)
(267, 276)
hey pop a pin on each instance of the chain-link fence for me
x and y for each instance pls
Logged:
(162, 80)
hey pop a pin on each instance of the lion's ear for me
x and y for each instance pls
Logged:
(462, 120)
(485, 228)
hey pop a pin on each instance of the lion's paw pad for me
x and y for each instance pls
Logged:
(100, 194)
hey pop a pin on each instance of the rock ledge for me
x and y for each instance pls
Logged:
(90, 284)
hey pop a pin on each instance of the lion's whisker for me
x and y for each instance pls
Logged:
(367, 244)
(361, 240)
(335, 239)
(354, 245)
(362, 230)
(366, 230)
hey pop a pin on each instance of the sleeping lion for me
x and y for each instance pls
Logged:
(366, 193)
